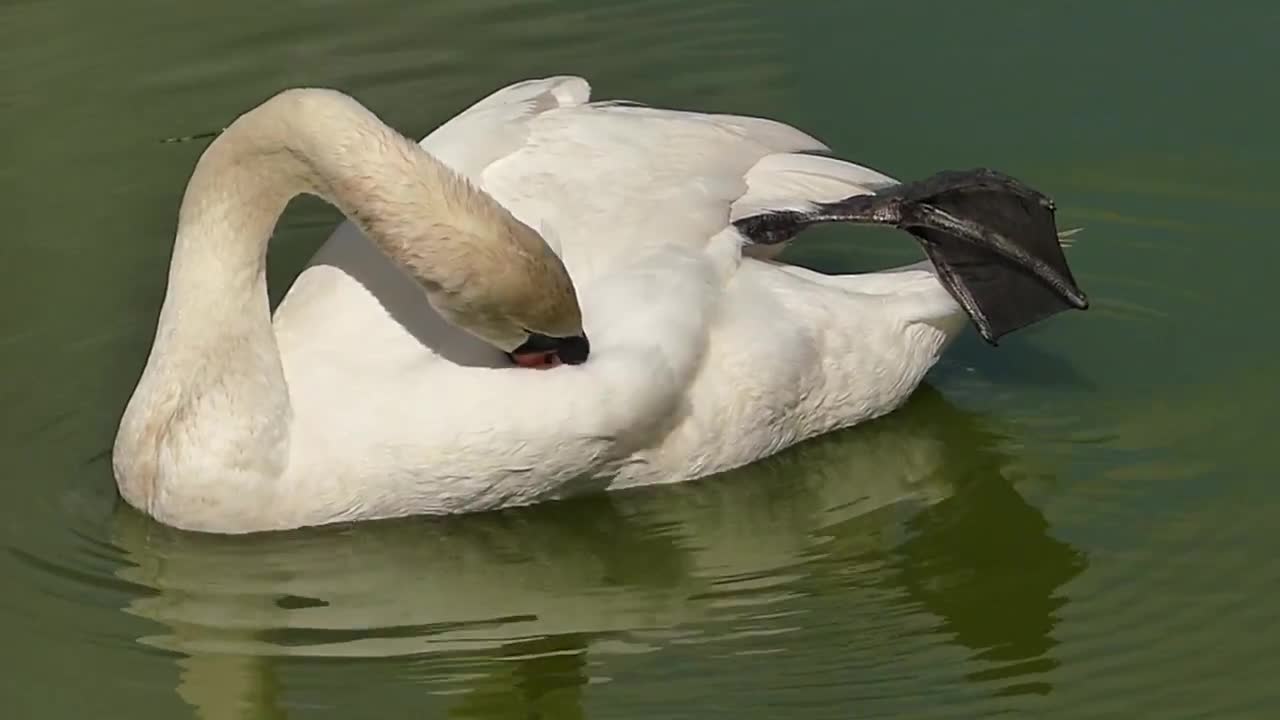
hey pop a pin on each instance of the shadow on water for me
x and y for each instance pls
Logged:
(504, 610)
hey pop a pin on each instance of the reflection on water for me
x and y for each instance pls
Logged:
(541, 678)
(984, 562)
(511, 609)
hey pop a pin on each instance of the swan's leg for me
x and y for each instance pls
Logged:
(992, 239)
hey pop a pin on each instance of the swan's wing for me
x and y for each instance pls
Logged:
(497, 125)
(608, 182)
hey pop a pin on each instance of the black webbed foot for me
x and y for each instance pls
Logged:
(992, 239)
(995, 245)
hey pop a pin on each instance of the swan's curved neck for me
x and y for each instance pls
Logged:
(212, 404)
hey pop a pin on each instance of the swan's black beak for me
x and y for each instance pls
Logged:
(544, 351)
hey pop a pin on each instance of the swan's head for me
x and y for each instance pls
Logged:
(484, 270)
(503, 284)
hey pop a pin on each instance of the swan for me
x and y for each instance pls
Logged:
(627, 254)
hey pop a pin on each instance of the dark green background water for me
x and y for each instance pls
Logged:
(1081, 523)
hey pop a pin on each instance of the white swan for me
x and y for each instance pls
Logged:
(359, 401)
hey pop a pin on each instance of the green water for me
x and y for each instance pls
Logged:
(1078, 524)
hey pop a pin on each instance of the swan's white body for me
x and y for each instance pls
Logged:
(702, 360)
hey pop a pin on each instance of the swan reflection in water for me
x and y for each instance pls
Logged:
(508, 609)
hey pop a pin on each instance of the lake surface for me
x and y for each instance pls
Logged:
(1080, 523)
